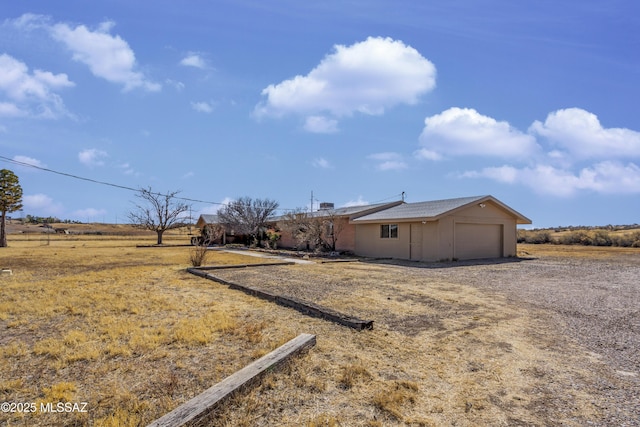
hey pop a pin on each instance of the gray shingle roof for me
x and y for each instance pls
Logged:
(345, 211)
(420, 210)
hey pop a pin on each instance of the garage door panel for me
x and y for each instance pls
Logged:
(474, 241)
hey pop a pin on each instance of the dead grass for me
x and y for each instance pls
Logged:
(577, 251)
(130, 332)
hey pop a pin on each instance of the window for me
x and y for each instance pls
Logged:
(389, 231)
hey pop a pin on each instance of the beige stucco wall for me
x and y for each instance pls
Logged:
(438, 237)
(370, 244)
(345, 240)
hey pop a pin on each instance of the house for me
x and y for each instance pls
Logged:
(206, 223)
(463, 228)
(340, 219)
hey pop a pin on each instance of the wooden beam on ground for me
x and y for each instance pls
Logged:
(304, 307)
(202, 405)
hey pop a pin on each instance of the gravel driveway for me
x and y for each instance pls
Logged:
(594, 301)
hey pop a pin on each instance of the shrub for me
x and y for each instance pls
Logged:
(198, 255)
(601, 238)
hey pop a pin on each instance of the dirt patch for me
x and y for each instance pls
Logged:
(547, 341)
(577, 307)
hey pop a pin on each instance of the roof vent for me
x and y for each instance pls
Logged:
(326, 206)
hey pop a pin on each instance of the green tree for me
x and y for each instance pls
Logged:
(10, 200)
(159, 212)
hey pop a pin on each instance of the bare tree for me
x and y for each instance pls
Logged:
(320, 229)
(332, 226)
(248, 216)
(158, 212)
(303, 227)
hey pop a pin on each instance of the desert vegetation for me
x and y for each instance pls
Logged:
(621, 236)
(127, 330)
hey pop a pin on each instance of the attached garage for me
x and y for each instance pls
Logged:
(464, 228)
(473, 241)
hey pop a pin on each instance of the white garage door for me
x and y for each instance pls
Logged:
(474, 241)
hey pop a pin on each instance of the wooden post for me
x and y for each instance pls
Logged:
(201, 405)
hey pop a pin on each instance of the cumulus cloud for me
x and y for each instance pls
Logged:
(388, 161)
(465, 132)
(213, 209)
(108, 56)
(30, 93)
(29, 161)
(366, 77)
(202, 107)
(569, 152)
(580, 134)
(360, 201)
(321, 163)
(89, 213)
(320, 124)
(193, 60)
(603, 177)
(41, 204)
(92, 157)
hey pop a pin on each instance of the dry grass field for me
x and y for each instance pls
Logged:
(128, 331)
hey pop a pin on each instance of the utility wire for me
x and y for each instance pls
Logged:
(95, 181)
(136, 190)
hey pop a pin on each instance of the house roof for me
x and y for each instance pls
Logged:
(432, 210)
(206, 219)
(349, 211)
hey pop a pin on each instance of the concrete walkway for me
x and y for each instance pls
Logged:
(268, 256)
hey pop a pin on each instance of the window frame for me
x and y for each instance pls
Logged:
(389, 231)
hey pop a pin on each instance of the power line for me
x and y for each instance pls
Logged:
(136, 190)
(95, 181)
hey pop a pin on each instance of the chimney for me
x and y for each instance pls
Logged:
(326, 206)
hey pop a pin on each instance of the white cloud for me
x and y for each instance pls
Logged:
(321, 163)
(366, 77)
(388, 161)
(465, 132)
(179, 86)
(193, 60)
(358, 202)
(41, 204)
(89, 214)
(92, 157)
(30, 21)
(126, 168)
(29, 161)
(604, 177)
(213, 209)
(320, 124)
(107, 56)
(554, 164)
(30, 93)
(581, 135)
(202, 107)
(8, 109)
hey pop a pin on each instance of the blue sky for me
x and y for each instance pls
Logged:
(534, 102)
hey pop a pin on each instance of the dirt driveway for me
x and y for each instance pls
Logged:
(557, 333)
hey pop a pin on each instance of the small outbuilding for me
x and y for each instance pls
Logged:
(453, 229)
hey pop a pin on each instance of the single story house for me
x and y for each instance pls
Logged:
(212, 220)
(344, 231)
(462, 228)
